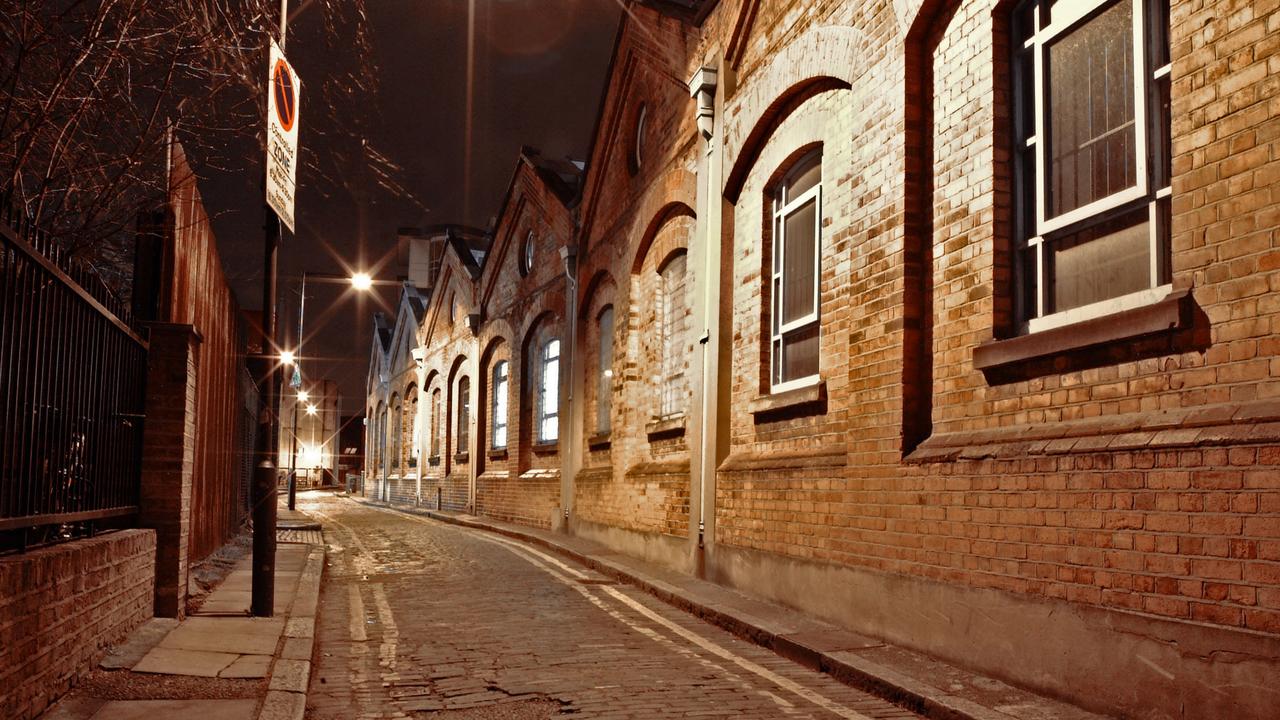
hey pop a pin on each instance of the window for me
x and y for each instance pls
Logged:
(673, 333)
(637, 147)
(397, 458)
(1091, 157)
(453, 305)
(526, 254)
(793, 289)
(548, 405)
(435, 423)
(500, 374)
(604, 371)
(464, 415)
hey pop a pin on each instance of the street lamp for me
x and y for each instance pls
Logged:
(360, 281)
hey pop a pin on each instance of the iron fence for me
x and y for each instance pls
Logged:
(72, 383)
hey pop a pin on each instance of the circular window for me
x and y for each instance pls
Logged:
(527, 255)
(637, 143)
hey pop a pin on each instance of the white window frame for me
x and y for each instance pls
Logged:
(672, 385)
(604, 372)
(501, 390)
(784, 206)
(435, 423)
(546, 392)
(1067, 14)
(462, 417)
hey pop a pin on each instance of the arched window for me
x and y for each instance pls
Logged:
(397, 420)
(501, 373)
(796, 270)
(548, 401)
(464, 415)
(435, 423)
(673, 334)
(604, 371)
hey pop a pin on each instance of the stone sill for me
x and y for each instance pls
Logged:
(461, 458)
(546, 448)
(810, 399)
(668, 427)
(497, 454)
(1208, 425)
(600, 441)
(1166, 316)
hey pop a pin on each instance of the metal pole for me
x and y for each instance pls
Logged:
(262, 602)
(297, 359)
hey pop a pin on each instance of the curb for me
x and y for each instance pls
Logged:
(290, 673)
(847, 668)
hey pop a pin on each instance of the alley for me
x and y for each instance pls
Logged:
(420, 617)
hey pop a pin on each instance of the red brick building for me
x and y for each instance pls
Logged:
(954, 323)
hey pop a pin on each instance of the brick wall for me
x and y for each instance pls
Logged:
(62, 607)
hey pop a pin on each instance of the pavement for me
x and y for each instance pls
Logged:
(218, 662)
(911, 683)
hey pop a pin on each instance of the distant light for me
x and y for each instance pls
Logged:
(311, 409)
(608, 373)
(361, 281)
(303, 395)
(286, 357)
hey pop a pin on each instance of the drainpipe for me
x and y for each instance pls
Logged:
(702, 88)
(569, 432)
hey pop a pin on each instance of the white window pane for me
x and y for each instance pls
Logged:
(797, 273)
(550, 381)
(604, 372)
(1091, 124)
(804, 177)
(1102, 263)
(800, 353)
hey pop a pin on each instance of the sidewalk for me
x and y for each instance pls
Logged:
(910, 679)
(218, 663)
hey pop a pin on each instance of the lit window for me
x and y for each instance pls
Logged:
(397, 441)
(604, 371)
(500, 404)
(527, 253)
(797, 250)
(673, 330)
(435, 423)
(1091, 157)
(549, 393)
(464, 414)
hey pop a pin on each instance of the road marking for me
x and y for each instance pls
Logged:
(559, 572)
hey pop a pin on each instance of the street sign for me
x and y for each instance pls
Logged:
(284, 91)
(296, 381)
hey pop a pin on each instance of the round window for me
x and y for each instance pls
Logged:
(528, 253)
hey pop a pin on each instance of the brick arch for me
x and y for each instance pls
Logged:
(665, 215)
(824, 58)
(544, 308)
(601, 283)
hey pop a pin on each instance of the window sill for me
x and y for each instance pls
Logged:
(498, 454)
(546, 448)
(433, 461)
(461, 458)
(811, 399)
(667, 427)
(1172, 313)
(600, 441)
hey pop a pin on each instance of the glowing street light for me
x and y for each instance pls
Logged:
(287, 357)
(311, 409)
(303, 396)
(361, 281)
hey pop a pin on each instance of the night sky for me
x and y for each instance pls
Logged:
(539, 70)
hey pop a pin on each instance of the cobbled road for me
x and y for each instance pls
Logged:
(420, 618)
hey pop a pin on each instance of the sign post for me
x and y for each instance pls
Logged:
(284, 92)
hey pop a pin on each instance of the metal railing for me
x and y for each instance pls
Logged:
(72, 383)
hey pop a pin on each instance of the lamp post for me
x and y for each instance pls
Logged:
(360, 281)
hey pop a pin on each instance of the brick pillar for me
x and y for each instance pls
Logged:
(168, 458)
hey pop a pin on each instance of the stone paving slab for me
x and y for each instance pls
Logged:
(158, 709)
(138, 644)
(242, 636)
(171, 661)
(248, 667)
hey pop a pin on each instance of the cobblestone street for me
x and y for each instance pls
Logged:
(424, 619)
